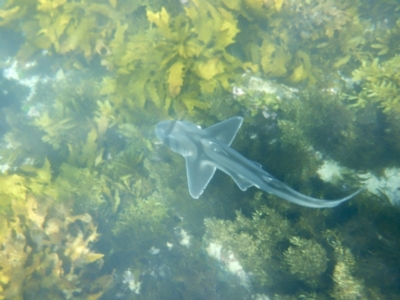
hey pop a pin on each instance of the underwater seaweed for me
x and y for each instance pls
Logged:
(251, 240)
(380, 82)
(306, 259)
(46, 251)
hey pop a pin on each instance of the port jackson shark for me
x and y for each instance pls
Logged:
(206, 150)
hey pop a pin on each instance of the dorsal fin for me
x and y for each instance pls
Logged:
(225, 131)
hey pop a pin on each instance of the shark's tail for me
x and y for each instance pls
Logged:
(281, 190)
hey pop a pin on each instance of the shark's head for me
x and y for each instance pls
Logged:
(177, 136)
(163, 131)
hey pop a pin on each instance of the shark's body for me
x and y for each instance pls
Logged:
(206, 150)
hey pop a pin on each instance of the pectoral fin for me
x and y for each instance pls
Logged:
(198, 175)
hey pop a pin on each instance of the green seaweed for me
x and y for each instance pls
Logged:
(380, 83)
(142, 224)
(306, 259)
(46, 250)
(252, 240)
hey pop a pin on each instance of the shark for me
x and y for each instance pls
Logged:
(206, 150)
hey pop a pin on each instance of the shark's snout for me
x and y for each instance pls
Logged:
(163, 129)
